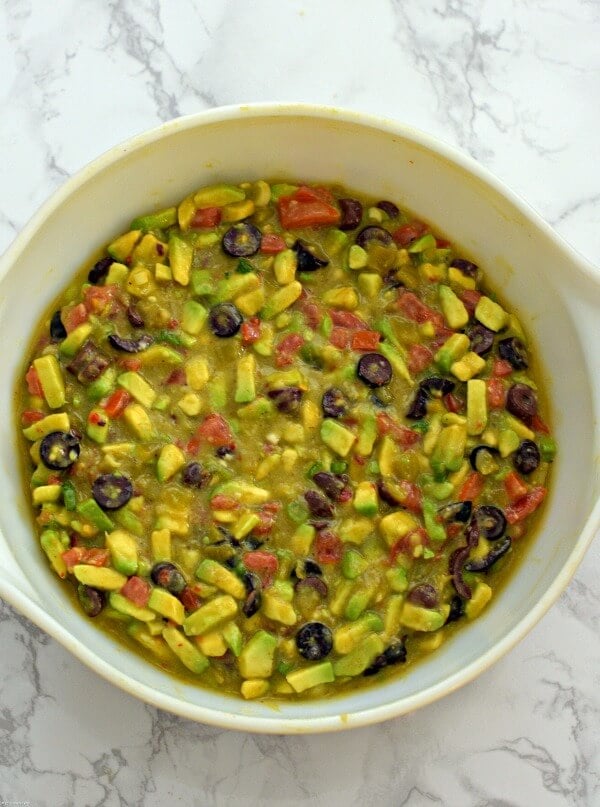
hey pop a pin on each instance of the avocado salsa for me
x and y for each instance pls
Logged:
(282, 439)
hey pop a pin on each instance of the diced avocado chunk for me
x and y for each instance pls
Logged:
(117, 274)
(74, 340)
(353, 563)
(337, 437)
(156, 221)
(57, 422)
(245, 390)
(301, 541)
(366, 501)
(244, 492)
(355, 530)
(449, 450)
(218, 196)
(166, 605)
(309, 677)
(416, 617)
(366, 436)
(435, 529)
(180, 258)
(122, 247)
(194, 317)
(149, 251)
(139, 421)
(369, 283)
(347, 636)
(125, 606)
(100, 577)
(396, 359)
(421, 244)
(212, 643)
(277, 609)
(138, 388)
(480, 598)
(91, 510)
(170, 460)
(129, 521)
(469, 366)
(254, 688)
(547, 448)
(123, 551)
(51, 379)
(284, 266)
(233, 638)
(477, 413)
(451, 351)
(102, 386)
(209, 571)
(490, 314)
(97, 426)
(357, 603)
(397, 525)
(281, 299)
(185, 651)
(54, 543)
(361, 657)
(236, 284)
(397, 579)
(453, 308)
(257, 657)
(208, 616)
(160, 541)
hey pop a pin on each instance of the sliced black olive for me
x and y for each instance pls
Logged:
(373, 233)
(143, 342)
(435, 385)
(194, 475)
(457, 511)
(286, 399)
(250, 543)
(313, 582)
(318, 505)
(225, 320)
(394, 654)
(134, 317)
(390, 492)
(314, 641)
(59, 450)
(167, 575)
(483, 459)
(253, 599)
(521, 402)
(309, 257)
(312, 567)
(242, 240)
(91, 599)
(374, 370)
(89, 363)
(514, 352)
(483, 564)
(112, 491)
(418, 406)
(382, 397)
(334, 403)
(99, 270)
(424, 594)
(352, 211)
(388, 207)
(306, 568)
(482, 339)
(473, 532)
(457, 609)
(57, 330)
(466, 267)
(455, 566)
(491, 521)
(332, 485)
(527, 457)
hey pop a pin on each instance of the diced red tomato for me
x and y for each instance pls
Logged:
(340, 337)
(96, 419)
(346, 319)
(173, 324)
(312, 313)
(501, 368)
(538, 425)
(524, 507)
(177, 377)
(189, 599)
(130, 363)
(117, 403)
(411, 496)
(74, 317)
(208, 217)
(470, 298)
(472, 487)
(251, 331)
(496, 394)
(31, 416)
(265, 564)
(414, 309)
(307, 194)
(215, 430)
(306, 208)
(137, 591)
(452, 403)
(419, 358)
(32, 379)
(408, 543)
(267, 515)
(365, 340)
(90, 557)
(407, 233)
(97, 299)
(402, 435)
(514, 486)
(271, 244)
(442, 243)
(286, 349)
(328, 547)
(223, 502)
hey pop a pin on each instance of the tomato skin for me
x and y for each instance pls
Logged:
(452, 403)
(271, 244)
(470, 298)
(402, 435)
(496, 394)
(31, 416)
(215, 430)
(307, 194)
(189, 599)
(286, 349)
(97, 298)
(346, 319)
(365, 340)
(340, 337)
(328, 547)
(407, 233)
(137, 591)
(501, 368)
(130, 364)
(306, 208)
(117, 403)
(177, 377)
(419, 358)
(472, 487)
(74, 317)
(90, 557)
(528, 504)
(312, 313)
(250, 331)
(406, 544)
(264, 564)
(34, 385)
(514, 486)
(538, 425)
(412, 308)
(207, 217)
(223, 502)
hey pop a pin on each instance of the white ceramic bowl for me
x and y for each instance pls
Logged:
(556, 291)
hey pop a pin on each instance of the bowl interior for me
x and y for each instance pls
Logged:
(521, 260)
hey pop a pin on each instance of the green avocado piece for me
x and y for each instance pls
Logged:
(125, 606)
(97, 426)
(309, 677)
(180, 258)
(449, 450)
(452, 350)
(100, 577)
(361, 657)
(103, 386)
(213, 573)
(422, 619)
(258, 655)
(122, 247)
(74, 340)
(218, 196)
(245, 390)
(149, 251)
(138, 388)
(166, 605)
(337, 437)
(366, 501)
(220, 609)
(185, 651)
(194, 317)
(54, 543)
(91, 510)
(123, 551)
(170, 460)
(51, 379)
(156, 221)
(233, 638)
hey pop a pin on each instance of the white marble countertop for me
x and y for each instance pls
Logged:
(515, 84)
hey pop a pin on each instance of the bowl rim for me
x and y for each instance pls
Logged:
(368, 716)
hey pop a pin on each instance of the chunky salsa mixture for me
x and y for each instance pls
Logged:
(283, 439)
